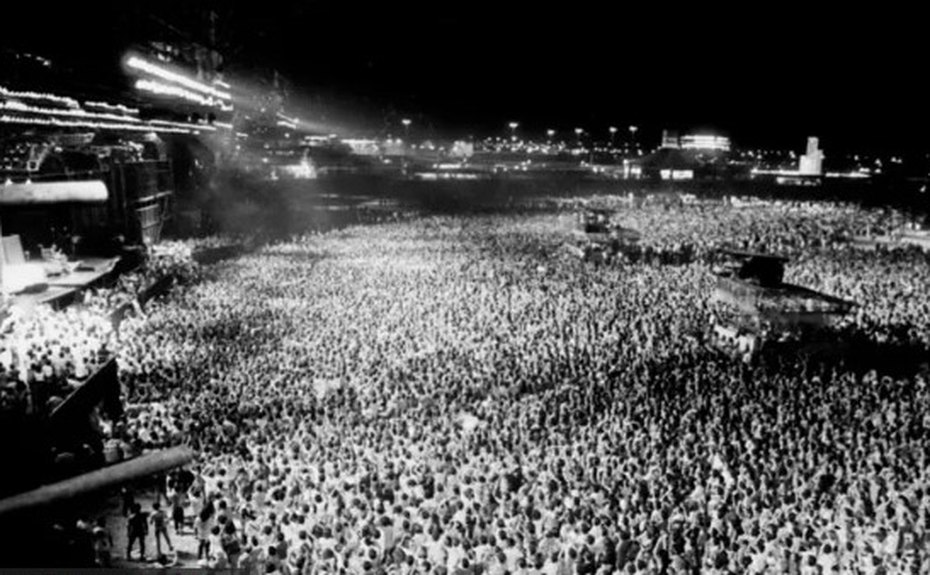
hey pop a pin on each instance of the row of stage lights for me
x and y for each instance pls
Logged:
(15, 108)
(53, 110)
(161, 81)
(46, 109)
(141, 65)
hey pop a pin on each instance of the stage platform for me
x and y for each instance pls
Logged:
(88, 273)
(56, 296)
(64, 289)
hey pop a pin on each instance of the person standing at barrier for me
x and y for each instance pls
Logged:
(128, 499)
(103, 543)
(160, 520)
(178, 498)
(138, 529)
(202, 527)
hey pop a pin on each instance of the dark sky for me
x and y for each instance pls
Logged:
(766, 75)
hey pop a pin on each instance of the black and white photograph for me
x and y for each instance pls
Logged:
(321, 287)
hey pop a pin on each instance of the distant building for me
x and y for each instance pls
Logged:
(669, 139)
(811, 163)
(462, 149)
(704, 142)
(392, 147)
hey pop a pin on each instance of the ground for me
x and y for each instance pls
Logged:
(185, 544)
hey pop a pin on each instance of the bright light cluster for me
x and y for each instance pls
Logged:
(54, 122)
(162, 89)
(677, 174)
(849, 175)
(159, 72)
(112, 108)
(166, 123)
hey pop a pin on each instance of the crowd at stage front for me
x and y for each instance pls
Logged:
(451, 395)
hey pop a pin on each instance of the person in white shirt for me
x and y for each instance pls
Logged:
(435, 550)
(455, 554)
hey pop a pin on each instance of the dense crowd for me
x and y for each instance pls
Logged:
(786, 228)
(890, 287)
(47, 354)
(887, 283)
(450, 395)
(44, 354)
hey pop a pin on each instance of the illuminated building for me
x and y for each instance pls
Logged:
(810, 169)
(669, 139)
(811, 163)
(707, 142)
(362, 146)
(462, 149)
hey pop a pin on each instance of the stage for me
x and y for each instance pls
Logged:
(64, 289)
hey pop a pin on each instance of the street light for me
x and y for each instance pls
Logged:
(578, 132)
(633, 130)
(406, 122)
(613, 132)
(550, 133)
(513, 130)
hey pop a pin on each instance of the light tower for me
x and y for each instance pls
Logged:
(811, 163)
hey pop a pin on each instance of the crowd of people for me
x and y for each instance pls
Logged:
(889, 285)
(786, 228)
(46, 354)
(886, 283)
(450, 395)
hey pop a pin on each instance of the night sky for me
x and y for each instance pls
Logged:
(765, 75)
